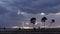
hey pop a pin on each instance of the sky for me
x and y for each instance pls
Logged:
(17, 12)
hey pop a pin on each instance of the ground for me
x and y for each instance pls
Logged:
(33, 31)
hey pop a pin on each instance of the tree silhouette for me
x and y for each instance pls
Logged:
(52, 21)
(33, 21)
(4, 28)
(43, 20)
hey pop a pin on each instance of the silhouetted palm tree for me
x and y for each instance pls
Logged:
(33, 21)
(43, 20)
(52, 21)
(4, 28)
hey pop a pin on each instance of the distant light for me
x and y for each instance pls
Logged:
(42, 13)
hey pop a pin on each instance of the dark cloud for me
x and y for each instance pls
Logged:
(33, 6)
(3, 10)
(38, 6)
(12, 19)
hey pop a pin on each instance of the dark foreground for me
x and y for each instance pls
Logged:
(32, 31)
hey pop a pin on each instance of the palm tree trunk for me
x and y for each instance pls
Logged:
(33, 26)
(44, 24)
(50, 25)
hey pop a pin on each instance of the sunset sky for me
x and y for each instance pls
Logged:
(17, 12)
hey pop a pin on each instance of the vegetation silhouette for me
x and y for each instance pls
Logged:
(4, 28)
(33, 21)
(43, 20)
(52, 21)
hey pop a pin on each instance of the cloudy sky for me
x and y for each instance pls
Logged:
(17, 12)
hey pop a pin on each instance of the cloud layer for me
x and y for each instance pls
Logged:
(28, 9)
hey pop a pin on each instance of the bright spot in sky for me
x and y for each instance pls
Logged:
(36, 23)
(18, 13)
(22, 13)
(42, 13)
(27, 23)
(58, 13)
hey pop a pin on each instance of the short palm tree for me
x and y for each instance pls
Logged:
(4, 28)
(52, 21)
(43, 20)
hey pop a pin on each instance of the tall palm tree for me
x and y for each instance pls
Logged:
(52, 21)
(43, 20)
(33, 21)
